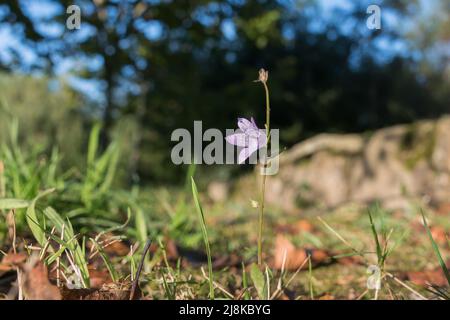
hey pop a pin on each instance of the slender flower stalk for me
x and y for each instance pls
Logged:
(251, 139)
(263, 77)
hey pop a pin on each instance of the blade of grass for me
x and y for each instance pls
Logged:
(141, 225)
(205, 236)
(109, 265)
(93, 144)
(245, 283)
(8, 204)
(436, 249)
(38, 234)
(310, 277)
(2, 180)
(375, 236)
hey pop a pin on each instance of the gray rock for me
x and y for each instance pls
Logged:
(392, 164)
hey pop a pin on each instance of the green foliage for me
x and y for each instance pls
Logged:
(84, 193)
(66, 229)
(47, 118)
(100, 170)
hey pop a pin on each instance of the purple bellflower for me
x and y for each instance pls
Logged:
(249, 137)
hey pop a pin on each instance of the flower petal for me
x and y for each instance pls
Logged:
(262, 139)
(243, 155)
(253, 145)
(244, 124)
(237, 139)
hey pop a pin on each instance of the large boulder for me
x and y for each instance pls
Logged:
(389, 165)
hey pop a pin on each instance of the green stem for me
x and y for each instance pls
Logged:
(263, 187)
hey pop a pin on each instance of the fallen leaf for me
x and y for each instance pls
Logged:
(303, 226)
(171, 249)
(439, 234)
(295, 257)
(14, 259)
(117, 248)
(423, 278)
(98, 278)
(11, 261)
(443, 209)
(326, 296)
(36, 285)
(295, 228)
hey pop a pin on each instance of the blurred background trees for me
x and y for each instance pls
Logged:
(144, 68)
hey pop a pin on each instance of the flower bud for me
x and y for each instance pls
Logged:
(263, 75)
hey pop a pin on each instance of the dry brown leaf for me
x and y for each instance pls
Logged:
(11, 261)
(295, 228)
(443, 209)
(36, 285)
(5, 268)
(14, 259)
(439, 234)
(327, 296)
(98, 278)
(423, 278)
(303, 226)
(285, 250)
(171, 249)
(117, 248)
(295, 257)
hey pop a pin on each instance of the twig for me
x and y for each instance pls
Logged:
(12, 221)
(405, 285)
(47, 244)
(239, 297)
(362, 294)
(58, 260)
(218, 286)
(138, 273)
(279, 290)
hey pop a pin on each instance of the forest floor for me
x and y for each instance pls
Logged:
(318, 254)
